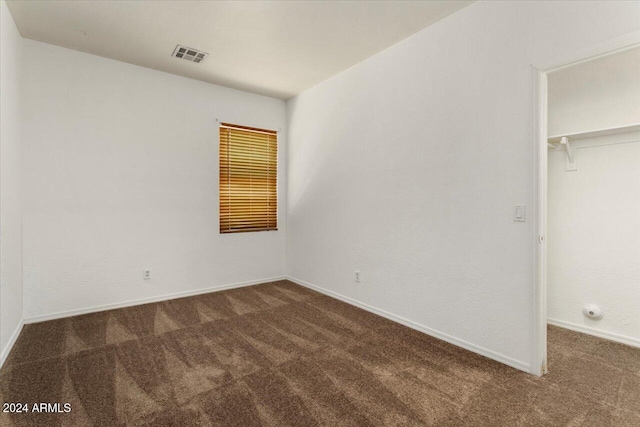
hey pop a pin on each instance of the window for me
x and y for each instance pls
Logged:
(248, 179)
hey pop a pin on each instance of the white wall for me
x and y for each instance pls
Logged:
(121, 174)
(594, 212)
(594, 237)
(407, 167)
(10, 186)
(599, 94)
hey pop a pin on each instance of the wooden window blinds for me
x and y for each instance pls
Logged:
(248, 179)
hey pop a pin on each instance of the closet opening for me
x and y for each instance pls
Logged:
(589, 214)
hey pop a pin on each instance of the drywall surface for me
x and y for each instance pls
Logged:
(600, 94)
(593, 237)
(407, 167)
(10, 186)
(121, 175)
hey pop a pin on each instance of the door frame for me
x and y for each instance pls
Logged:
(540, 81)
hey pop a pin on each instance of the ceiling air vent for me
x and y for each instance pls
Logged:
(189, 54)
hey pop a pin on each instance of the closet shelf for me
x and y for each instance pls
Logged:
(597, 132)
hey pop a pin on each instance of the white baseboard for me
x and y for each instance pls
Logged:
(76, 312)
(634, 342)
(12, 341)
(421, 328)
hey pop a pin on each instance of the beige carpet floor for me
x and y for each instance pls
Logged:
(278, 354)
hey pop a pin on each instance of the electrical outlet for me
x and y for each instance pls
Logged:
(357, 277)
(146, 274)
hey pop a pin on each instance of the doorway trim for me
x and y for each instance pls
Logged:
(540, 81)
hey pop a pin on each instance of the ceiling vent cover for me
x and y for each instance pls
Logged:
(191, 55)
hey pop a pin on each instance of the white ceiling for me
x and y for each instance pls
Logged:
(275, 48)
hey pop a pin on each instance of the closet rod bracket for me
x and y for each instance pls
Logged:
(571, 154)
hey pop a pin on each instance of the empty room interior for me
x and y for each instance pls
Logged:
(319, 213)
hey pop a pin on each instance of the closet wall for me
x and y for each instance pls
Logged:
(594, 212)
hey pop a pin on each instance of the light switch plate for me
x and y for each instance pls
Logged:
(520, 213)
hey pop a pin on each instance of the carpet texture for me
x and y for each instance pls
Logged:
(279, 354)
